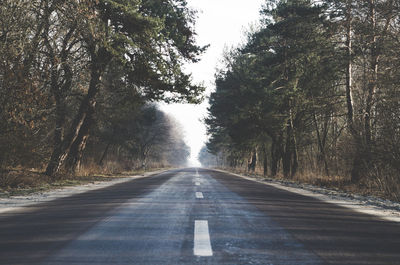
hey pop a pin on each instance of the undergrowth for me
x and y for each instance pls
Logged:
(14, 182)
(374, 184)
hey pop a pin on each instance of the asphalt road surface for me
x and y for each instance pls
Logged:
(194, 216)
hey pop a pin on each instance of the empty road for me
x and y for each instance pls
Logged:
(194, 216)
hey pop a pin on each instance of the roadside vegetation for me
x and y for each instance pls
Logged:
(18, 182)
(313, 95)
(78, 82)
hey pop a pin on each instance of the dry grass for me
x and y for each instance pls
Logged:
(383, 185)
(24, 182)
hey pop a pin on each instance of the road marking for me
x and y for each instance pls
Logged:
(202, 243)
(197, 172)
(197, 183)
(199, 195)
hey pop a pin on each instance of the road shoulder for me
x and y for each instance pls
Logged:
(389, 211)
(14, 203)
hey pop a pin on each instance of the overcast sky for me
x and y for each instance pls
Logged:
(220, 23)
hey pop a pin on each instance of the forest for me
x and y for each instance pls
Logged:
(79, 82)
(313, 94)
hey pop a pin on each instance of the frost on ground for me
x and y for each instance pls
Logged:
(385, 209)
(17, 202)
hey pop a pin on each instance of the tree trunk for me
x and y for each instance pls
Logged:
(294, 158)
(75, 154)
(372, 85)
(253, 161)
(356, 169)
(103, 156)
(276, 153)
(265, 154)
(287, 155)
(61, 151)
(349, 79)
(274, 161)
(294, 162)
(321, 146)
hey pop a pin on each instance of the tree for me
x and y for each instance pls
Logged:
(148, 38)
(270, 91)
(24, 106)
(313, 69)
(144, 136)
(57, 60)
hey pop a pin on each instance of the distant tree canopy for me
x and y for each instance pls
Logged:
(314, 89)
(142, 137)
(206, 158)
(68, 66)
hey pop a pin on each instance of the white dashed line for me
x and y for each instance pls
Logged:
(202, 243)
(197, 183)
(199, 195)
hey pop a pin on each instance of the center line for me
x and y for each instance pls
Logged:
(202, 244)
(199, 195)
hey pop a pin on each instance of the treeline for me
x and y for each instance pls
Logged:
(137, 138)
(77, 79)
(314, 90)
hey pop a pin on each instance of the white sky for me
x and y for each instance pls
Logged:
(220, 23)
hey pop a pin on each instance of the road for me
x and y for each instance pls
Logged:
(194, 216)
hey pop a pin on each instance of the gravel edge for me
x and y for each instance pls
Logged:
(19, 202)
(384, 209)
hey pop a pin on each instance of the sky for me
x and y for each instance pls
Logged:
(221, 24)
